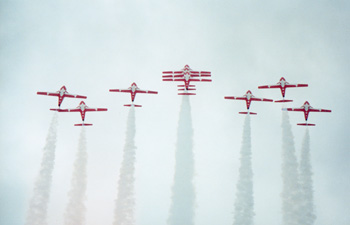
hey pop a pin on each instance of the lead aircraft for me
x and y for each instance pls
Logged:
(306, 108)
(186, 75)
(133, 90)
(248, 97)
(82, 108)
(61, 94)
(283, 85)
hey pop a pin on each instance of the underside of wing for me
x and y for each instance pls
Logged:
(48, 93)
(296, 85)
(295, 109)
(269, 86)
(320, 110)
(146, 92)
(235, 98)
(200, 74)
(74, 96)
(262, 99)
(95, 109)
(120, 90)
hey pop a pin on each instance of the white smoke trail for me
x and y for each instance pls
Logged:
(37, 211)
(125, 203)
(183, 194)
(75, 210)
(291, 189)
(306, 185)
(244, 205)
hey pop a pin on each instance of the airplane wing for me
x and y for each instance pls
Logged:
(269, 86)
(207, 80)
(66, 110)
(146, 92)
(295, 109)
(262, 99)
(95, 109)
(235, 98)
(120, 90)
(49, 93)
(170, 75)
(74, 96)
(200, 74)
(296, 85)
(320, 110)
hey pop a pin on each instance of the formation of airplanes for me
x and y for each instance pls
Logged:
(187, 75)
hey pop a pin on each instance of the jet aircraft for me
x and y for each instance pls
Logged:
(61, 94)
(306, 108)
(82, 108)
(133, 90)
(283, 85)
(248, 97)
(187, 75)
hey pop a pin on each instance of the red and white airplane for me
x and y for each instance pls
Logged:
(61, 94)
(186, 75)
(283, 84)
(306, 108)
(248, 97)
(82, 108)
(133, 90)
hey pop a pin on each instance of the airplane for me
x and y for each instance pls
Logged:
(283, 84)
(61, 94)
(186, 75)
(306, 108)
(133, 90)
(248, 97)
(82, 108)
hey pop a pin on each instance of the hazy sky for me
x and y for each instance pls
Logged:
(93, 46)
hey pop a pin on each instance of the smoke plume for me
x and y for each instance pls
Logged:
(75, 210)
(37, 211)
(182, 208)
(125, 203)
(244, 205)
(306, 185)
(291, 189)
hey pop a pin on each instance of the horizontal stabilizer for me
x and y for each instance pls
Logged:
(83, 124)
(250, 113)
(190, 89)
(284, 100)
(129, 105)
(184, 85)
(306, 124)
(55, 109)
(186, 93)
(168, 80)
